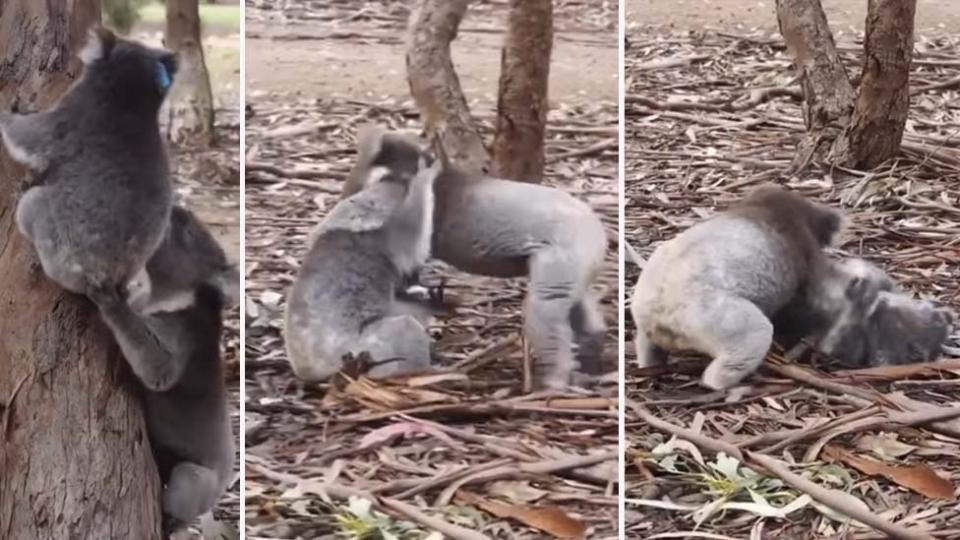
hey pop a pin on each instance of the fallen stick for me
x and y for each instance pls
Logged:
(762, 463)
(408, 511)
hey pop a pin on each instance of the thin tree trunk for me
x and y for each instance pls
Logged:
(828, 96)
(74, 457)
(434, 84)
(190, 103)
(874, 134)
(522, 102)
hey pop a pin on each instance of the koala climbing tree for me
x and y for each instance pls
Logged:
(522, 103)
(55, 354)
(191, 99)
(846, 128)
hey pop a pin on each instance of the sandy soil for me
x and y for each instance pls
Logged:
(845, 16)
(584, 66)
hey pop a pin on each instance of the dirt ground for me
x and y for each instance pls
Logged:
(584, 65)
(845, 16)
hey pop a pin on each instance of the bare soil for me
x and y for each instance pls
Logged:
(845, 16)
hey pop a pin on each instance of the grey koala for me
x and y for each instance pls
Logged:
(856, 314)
(344, 299)
(173, 347)
(714, 288)
(502, 228)
(104, 194)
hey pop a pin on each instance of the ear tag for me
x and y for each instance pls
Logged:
(163, 77)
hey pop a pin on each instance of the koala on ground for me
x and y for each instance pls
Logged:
(170, 338)
(856, 315)
(104, 193)
(344, 299)
(714, 288)
(502, 228)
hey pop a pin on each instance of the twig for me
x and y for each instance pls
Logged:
(761, 463)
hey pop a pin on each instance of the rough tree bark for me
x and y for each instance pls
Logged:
(874, 134)
(522, 102)
(74, 457)
(827, 93)
(861, 131)
(435, 86)
(190, 104)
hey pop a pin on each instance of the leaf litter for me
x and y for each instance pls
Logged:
(462, 453)
(710, 115)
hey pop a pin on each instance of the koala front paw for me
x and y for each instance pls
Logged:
(104, 294)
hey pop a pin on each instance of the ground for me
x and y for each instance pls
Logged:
(208, 183)
(468, 446)
(694, 144)
(845, 16)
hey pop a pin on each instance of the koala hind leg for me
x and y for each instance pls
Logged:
(648, 354)
(32, 220)
(191, 490)
(400, 339)
(589, 332)
(736, 333)
(547, 310)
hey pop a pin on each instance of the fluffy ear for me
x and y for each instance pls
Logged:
(369, 141)
(228, 281)
(99, 45)
(947, 316)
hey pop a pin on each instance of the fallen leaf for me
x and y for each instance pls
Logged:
(919, 477)
(521, 492)
(885, 446)
(548, 519)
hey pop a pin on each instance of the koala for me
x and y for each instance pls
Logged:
(104, 195)
(506, 229)
(171, 340)
(344, 299)
(856, 315)
(714, 288)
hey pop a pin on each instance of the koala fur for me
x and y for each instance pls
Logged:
(857, 315)
(502, 228)
(714, 288)
(344, 300)
(174, 350)
(104, 193)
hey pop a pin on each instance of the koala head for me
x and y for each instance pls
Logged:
(907, 330)
(385, 154)
(125, 73)
(792, 214)
(189, 257)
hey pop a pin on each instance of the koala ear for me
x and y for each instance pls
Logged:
(228, 281)
(100, 44)
(369, 141)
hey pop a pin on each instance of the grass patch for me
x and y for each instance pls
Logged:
(222, 17)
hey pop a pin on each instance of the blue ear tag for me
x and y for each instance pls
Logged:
(163, 77)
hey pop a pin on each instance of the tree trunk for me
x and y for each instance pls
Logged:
(75, 461)
(190, 104)
(828, 96)
(522, 102)
(434, 84)
(874, 134)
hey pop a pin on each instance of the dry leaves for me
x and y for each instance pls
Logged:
(919, 477)
(548, 519)
(701, 132)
